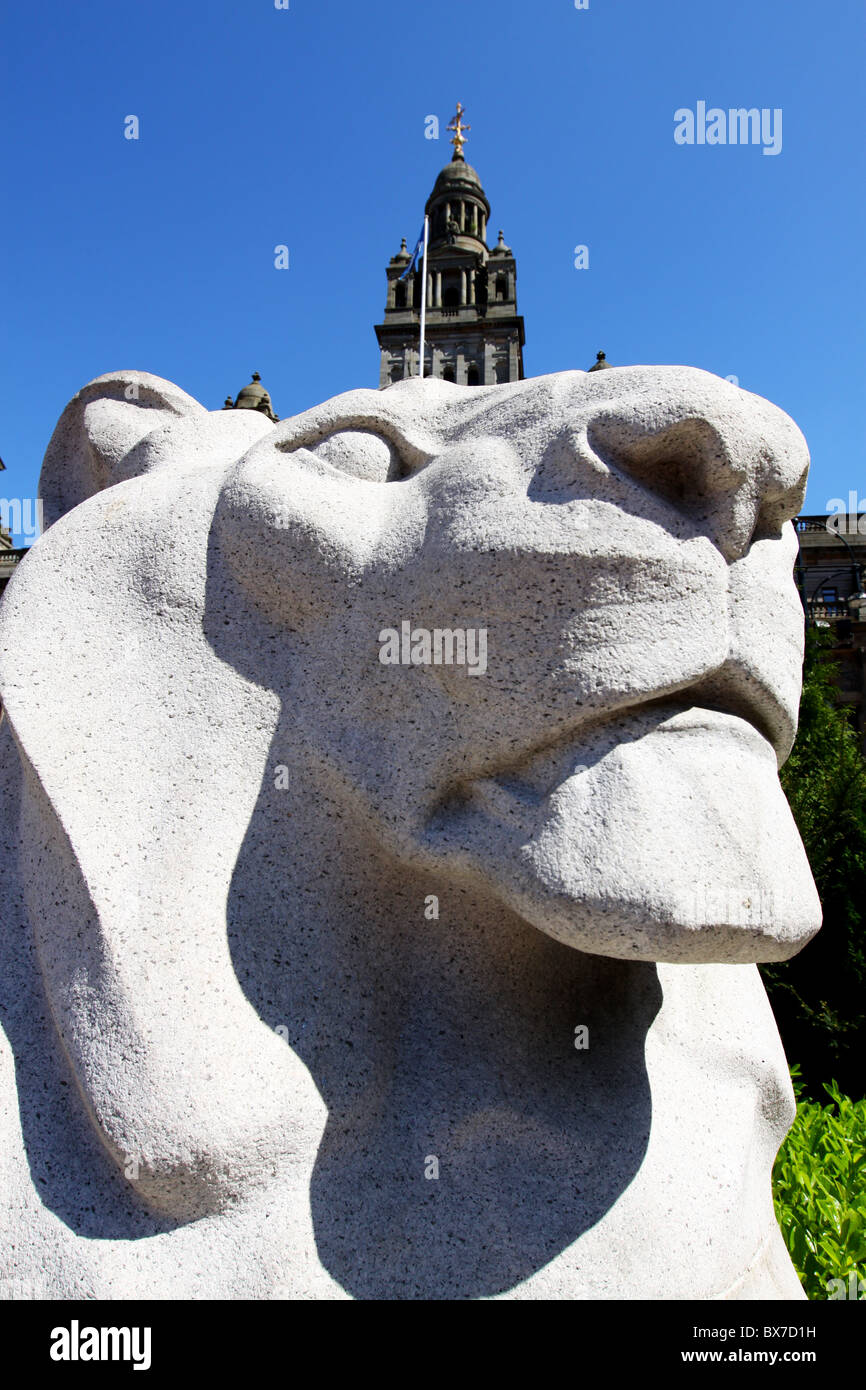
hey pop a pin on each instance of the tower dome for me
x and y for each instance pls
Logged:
(458, 208)
(601, 363)
(457, 173)
(253, 397)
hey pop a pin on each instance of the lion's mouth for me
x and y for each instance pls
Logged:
(726, 705)
(658, 833)
(534, 778)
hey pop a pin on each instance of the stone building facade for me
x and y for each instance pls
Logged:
(830, 572)
(9, 558)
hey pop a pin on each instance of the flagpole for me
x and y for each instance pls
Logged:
(424, 295)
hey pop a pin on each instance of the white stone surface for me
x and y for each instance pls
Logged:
(234, 1038)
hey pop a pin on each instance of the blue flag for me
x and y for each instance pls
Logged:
(419, 246)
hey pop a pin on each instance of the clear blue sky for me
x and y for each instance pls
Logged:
(305, 127)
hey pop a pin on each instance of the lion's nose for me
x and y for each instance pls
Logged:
(731, 461)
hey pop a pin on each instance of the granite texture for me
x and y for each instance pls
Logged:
(329, 976)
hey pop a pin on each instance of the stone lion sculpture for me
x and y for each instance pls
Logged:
(331, 974)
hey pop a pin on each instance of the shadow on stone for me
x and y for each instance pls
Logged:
(468, 1141)
(69, 1168)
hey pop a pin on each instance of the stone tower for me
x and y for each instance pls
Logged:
(253, 397)
(474, 334)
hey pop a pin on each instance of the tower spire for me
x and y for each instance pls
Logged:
(458, 139)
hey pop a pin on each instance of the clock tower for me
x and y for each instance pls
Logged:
(474, 335)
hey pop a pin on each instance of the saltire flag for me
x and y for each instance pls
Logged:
(419, 246)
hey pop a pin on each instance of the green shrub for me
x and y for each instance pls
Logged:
(818, 997)
(819, 1191)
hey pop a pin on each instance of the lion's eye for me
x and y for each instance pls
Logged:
(361, 454)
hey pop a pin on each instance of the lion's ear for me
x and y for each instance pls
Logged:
(97, 431)
(116, 699)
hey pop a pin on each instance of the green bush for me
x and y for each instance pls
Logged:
(818, 997)
(819, 1191)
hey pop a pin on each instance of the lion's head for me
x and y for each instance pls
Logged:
(231, 594)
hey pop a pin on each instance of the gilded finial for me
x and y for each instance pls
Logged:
(458, 140)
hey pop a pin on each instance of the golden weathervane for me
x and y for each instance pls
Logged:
(458, 127)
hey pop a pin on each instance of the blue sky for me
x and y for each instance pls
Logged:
(306, 127)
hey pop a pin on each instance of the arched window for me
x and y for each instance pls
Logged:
(400, 295)
(448, 374)
(472, 376)
(501, 287)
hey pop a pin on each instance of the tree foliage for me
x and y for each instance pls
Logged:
(819, 997)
